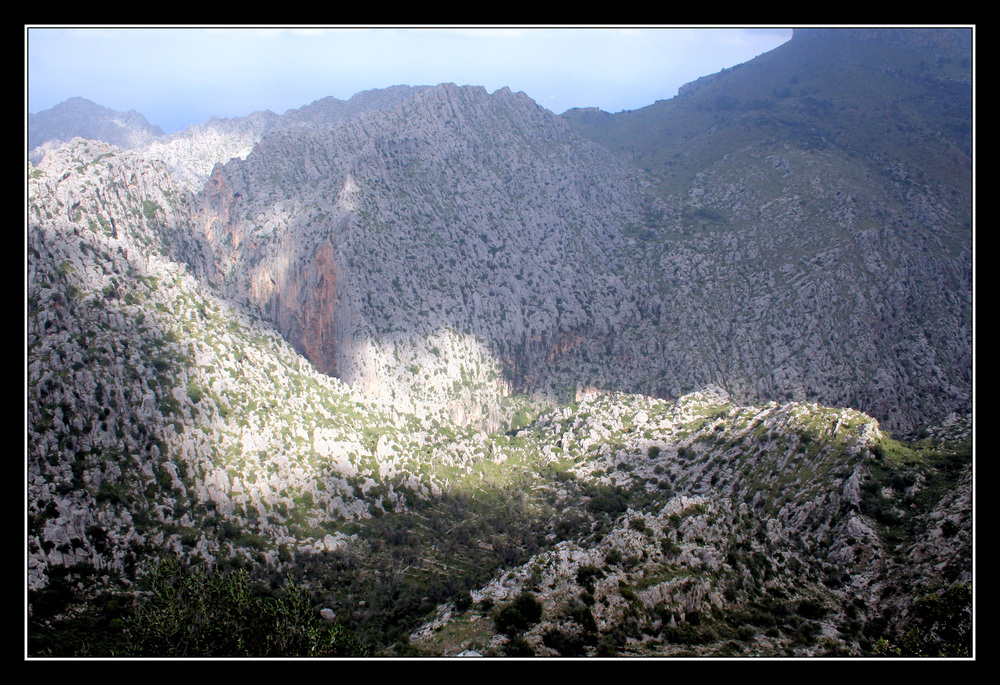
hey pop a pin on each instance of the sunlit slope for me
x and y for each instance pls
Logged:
(700, 527)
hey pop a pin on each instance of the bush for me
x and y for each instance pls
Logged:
(810, 609)
(637, 524)
(670, 548)
(463, 600)
(565, 644)
(518, 646)
(581, 614)
(587, 574)
(610, 643)
(517, 616)
(195, 392)
(607, 500)
(199, 613)
(687, 634)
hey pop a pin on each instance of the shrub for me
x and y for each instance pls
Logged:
(670, 547)
(565, 644)
(586, 575)
(687, 634)
(607, 500)
(518, 646)
(610, 643)
(463, 600)
(199, 613)
(810, 609)
(524, 611)
(150, 208)
(195, 392)
(581, 614)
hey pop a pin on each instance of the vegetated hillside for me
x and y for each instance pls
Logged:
(406, 356)
(823, 217)
(708, 528)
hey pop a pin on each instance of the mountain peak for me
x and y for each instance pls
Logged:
(83, 118)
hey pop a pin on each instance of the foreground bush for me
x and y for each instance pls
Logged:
(199, 613)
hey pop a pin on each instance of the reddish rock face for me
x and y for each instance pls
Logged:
(218, 197)
(299, 293)
(318, 297)
(294, 281)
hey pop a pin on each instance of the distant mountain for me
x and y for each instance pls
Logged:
(79, 117)
(440, 370)
(905, 94)
(331, 111)
(825, 187)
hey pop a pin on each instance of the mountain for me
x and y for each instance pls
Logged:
(902, 94)
(477, 376)
(79, 117)
(825, 188)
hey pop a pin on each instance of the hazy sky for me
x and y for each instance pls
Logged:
(184, 75)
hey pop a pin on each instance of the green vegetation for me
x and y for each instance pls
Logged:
(907, 480)
(587, 574)
(197, 613)
(522, 612)
(183, 611)
(938, 625)
(150, 209)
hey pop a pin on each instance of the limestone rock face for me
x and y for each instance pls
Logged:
(193, 153)
(484, 216)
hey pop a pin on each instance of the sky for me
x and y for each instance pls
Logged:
(178, 76)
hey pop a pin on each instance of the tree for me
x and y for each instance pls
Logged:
(524, 611)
